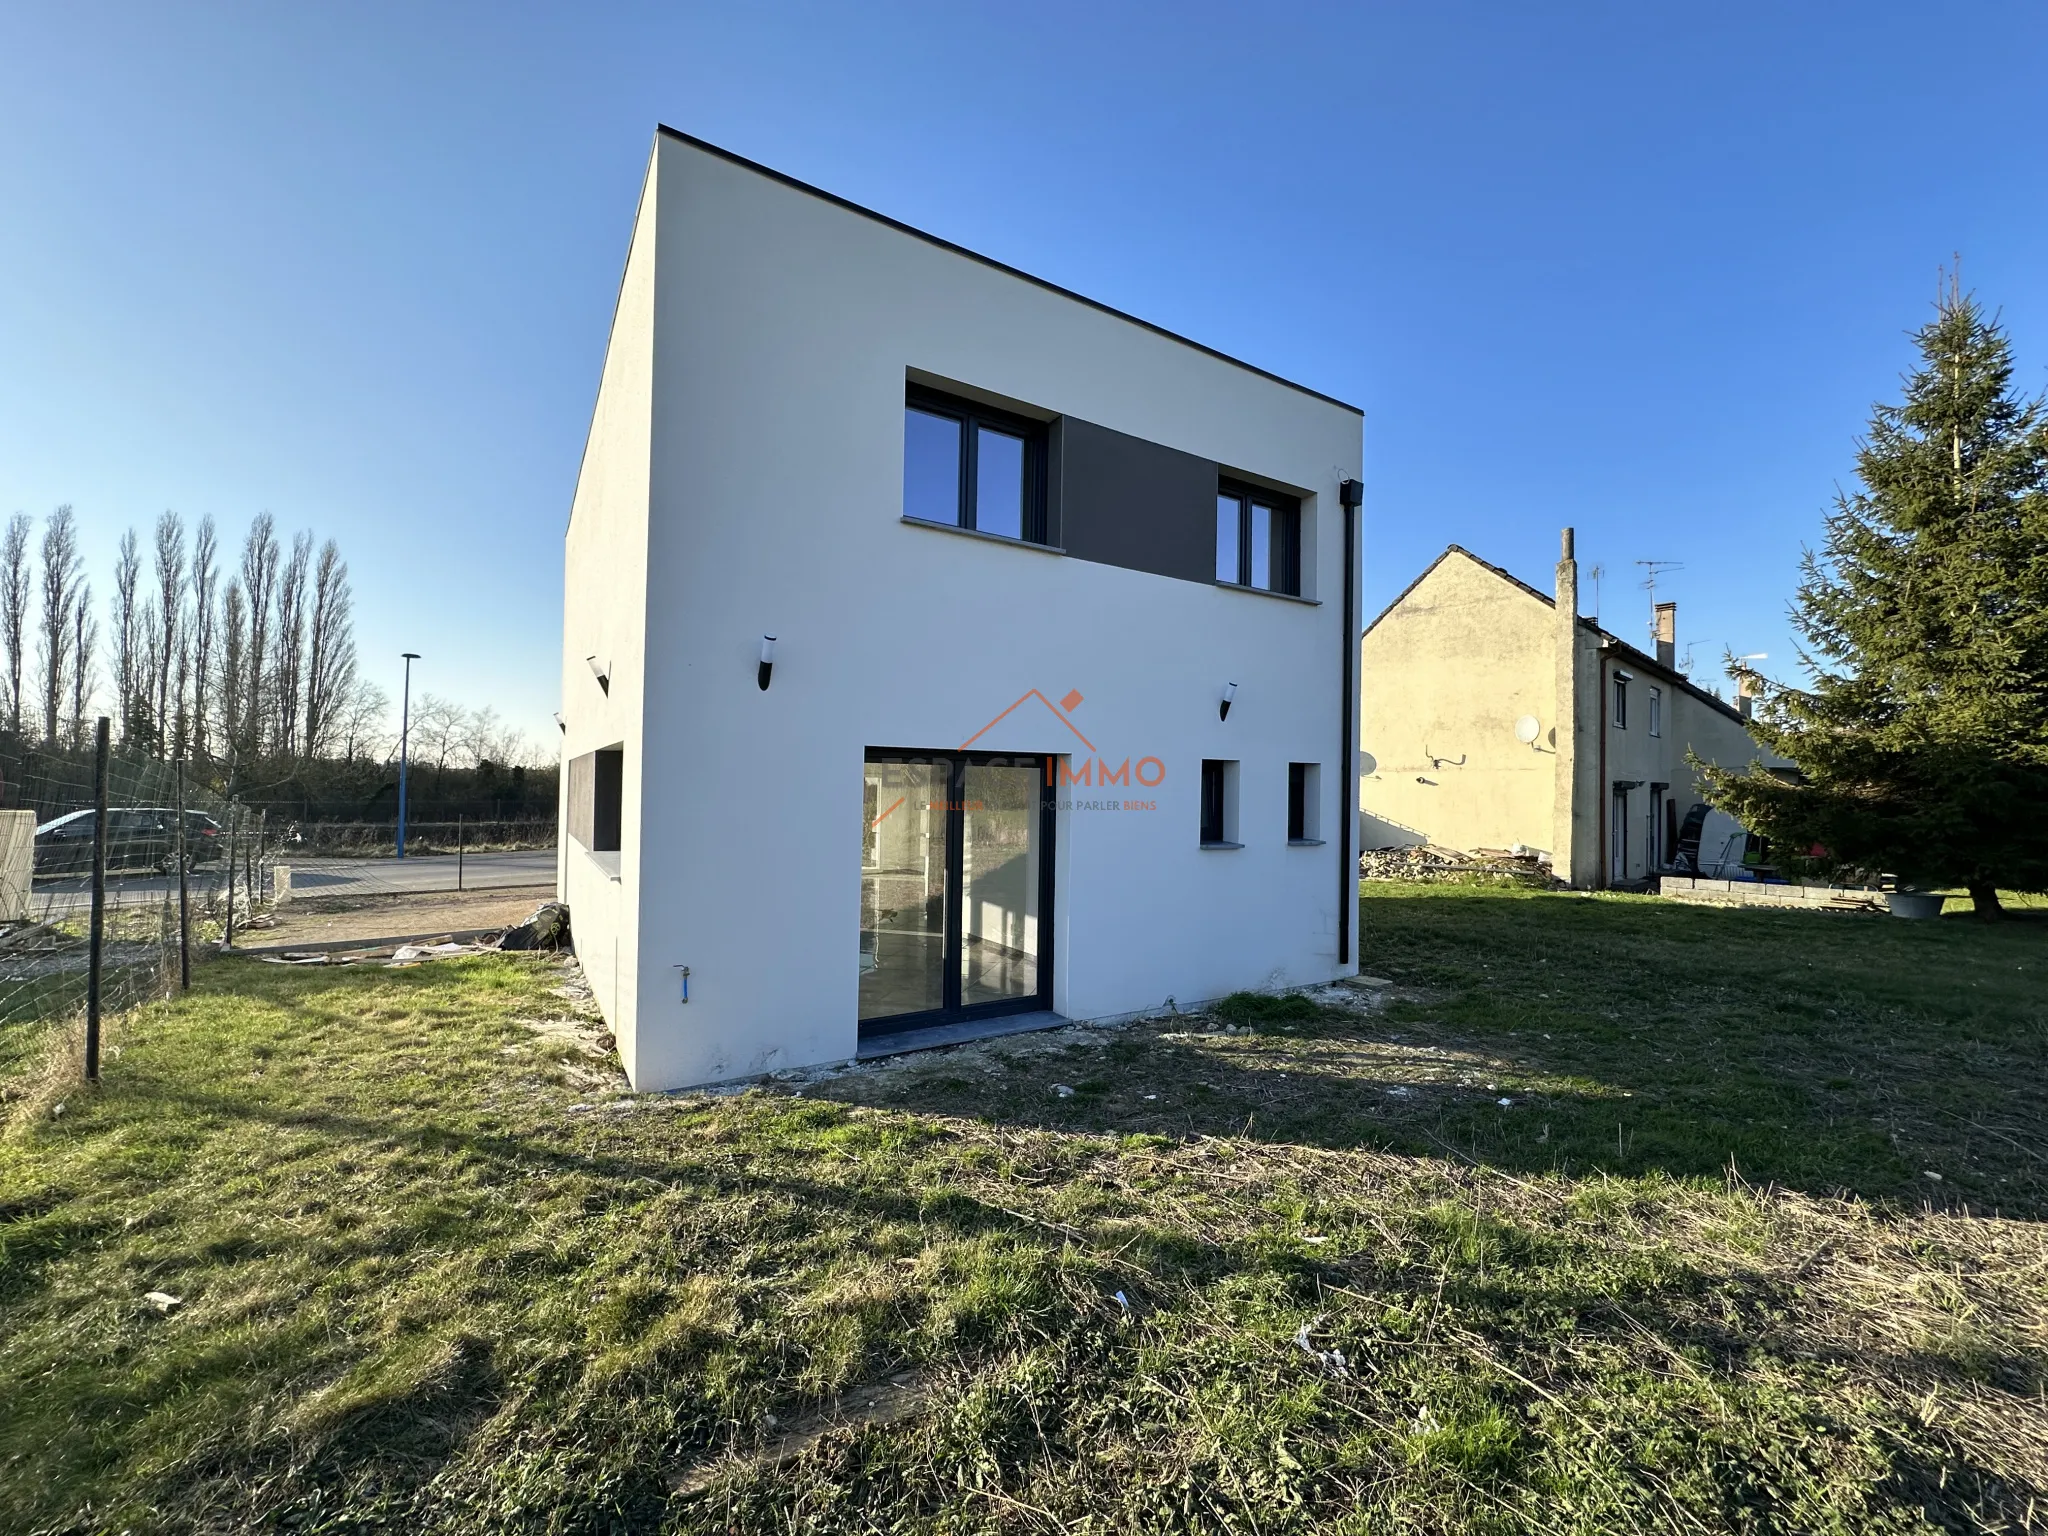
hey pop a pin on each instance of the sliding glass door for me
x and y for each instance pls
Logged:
(955, 887)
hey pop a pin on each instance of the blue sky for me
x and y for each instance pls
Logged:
(1621, 266)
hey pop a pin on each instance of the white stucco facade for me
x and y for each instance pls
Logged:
(744, 476)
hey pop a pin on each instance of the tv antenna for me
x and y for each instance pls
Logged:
(1656, 568)
(1596, 573)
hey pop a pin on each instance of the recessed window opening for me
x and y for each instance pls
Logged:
(972, 466)
(1304, 803)
(1621, 703)
(1258, 539)
(1219, 803)
(1656, 711)
(596, 798)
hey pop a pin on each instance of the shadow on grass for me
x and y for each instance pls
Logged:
(1826, 1053)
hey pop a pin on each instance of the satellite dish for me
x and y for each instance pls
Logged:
(1367, 764)
(1526, 729)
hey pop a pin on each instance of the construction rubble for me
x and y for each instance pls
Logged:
(1425, 861)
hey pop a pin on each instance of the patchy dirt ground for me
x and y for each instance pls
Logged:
(361, 919)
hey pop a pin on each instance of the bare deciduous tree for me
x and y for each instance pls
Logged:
(361, 720)
(16, 587)
(205, 577)
(331, 650)
(85, 639)
(288, 658)
(232, 685)
(170, 608)
(127, 686)
(259, 590)
(60, 597)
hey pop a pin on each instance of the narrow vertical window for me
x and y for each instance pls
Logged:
(931, 467)
(1229, 517)
(1304, 803)
(1621, 703)
(1259, 571)
(999, 482)
(1219, 804)
(1656, 711)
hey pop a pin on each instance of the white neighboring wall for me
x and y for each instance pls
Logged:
(744, 477)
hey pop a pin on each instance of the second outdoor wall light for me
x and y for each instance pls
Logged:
(767, 662)
(1229, 693)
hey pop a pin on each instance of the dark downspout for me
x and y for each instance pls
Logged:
(1349, 495)
(1603, 877)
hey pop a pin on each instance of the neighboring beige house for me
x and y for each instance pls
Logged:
(1495, 717)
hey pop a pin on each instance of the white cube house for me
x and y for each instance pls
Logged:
(942, 651)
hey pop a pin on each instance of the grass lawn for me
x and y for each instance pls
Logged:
(1277, 1269)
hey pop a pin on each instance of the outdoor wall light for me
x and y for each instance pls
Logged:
(561, 724)
(603, 674)
(1229, 694)
(767, 661)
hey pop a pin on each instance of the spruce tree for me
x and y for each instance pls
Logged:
(1922, 743)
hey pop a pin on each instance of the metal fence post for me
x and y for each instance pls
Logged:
(97, 931)
(228, 939)
(184, 892)
(458, 850)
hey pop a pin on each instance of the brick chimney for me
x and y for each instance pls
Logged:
(1667, 635)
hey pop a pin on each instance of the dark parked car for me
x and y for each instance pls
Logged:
(142, 838)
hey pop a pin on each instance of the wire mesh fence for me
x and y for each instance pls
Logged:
(378, 839)
(166, 837)
(188, 870)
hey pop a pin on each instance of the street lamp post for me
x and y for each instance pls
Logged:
(404, 733)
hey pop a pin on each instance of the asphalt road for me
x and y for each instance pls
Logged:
(322, 877)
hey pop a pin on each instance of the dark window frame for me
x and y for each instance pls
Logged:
(1621, 703)
(971, 414)
(597, 798)
(952, 1009)
(1299, 806)
(1216, 829)
(1286, 555)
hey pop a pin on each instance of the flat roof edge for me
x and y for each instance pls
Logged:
(1000, 266)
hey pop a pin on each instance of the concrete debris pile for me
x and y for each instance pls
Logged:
(1423, 861)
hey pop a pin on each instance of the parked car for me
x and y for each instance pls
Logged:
(138, 838)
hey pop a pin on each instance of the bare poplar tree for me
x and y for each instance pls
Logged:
(170, 608)
(127, 577)
(205, 578)
(85, 639)
(16, 590)
(259, 590)
(331, 650)
(60, 595)
(288, 645)
(231, 687)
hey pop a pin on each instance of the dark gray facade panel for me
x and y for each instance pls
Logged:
(1119, 500)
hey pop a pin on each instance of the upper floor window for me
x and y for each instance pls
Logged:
(1258, 538)
(973, 466)
(1656, 711)
(1620, 702)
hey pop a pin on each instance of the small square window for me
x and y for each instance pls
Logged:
(1219, 804)
(1304, 803)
